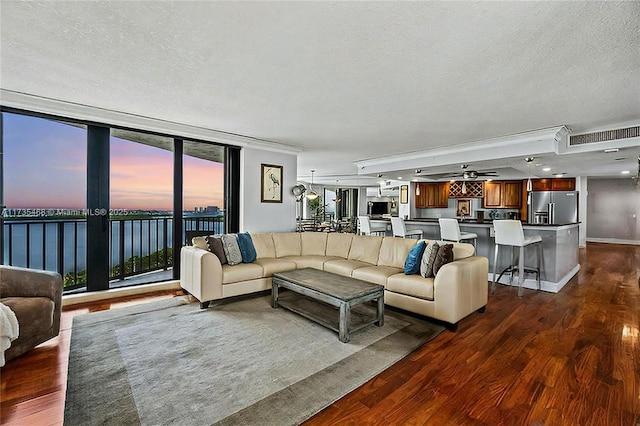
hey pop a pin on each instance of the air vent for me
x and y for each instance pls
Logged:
(604, 136)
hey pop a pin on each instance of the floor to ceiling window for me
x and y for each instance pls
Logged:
(44, 196)
(203, 187)
(141, 207)
(65, 182)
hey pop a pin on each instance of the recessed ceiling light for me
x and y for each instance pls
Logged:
(559, 174)
(625, 172)
(608, 150)
(489, 180)
(452, 180)
(546, 169)
(399, 177)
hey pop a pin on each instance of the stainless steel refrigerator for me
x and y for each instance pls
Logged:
(552, 207)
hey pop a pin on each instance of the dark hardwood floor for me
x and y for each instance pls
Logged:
(547, 359)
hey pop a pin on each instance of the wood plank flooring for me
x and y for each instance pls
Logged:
(571, 358)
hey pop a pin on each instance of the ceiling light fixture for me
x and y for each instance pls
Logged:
(418, 171)
(625, 172)
(417, 189)
(559, 174)
(608, 150)
(529, 183)
(464, 187)
(546, 169)
(312, 195)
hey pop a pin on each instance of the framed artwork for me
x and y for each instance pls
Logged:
(464, 208)
(271, 184)
(404, 194)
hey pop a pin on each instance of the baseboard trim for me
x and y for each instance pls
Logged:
(75, 299)
(614, 241)
(549, 286)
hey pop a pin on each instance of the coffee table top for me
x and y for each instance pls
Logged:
(338, 286)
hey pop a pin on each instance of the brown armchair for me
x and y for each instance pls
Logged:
(36, 299)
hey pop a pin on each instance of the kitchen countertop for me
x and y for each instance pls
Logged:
(472, 222)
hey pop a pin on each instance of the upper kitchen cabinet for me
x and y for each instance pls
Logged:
(563, 184)
(432, 195)
(473, 189)
(555, 184)
(502, 194)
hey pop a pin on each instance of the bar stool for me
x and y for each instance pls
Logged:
(450, 231)
(367, 229)
(510, 233)
(399, 230)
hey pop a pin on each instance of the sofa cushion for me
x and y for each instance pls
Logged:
(461, 250)
(315, 262)
(375, 274)
(247, 249)
(214, 243)
(272, 266)
(338, 244)
(344, 266)
(313, 243)
(394, 251)
(231, 249)
(365, 249)
(263, 243)
(241, 272)
(444, 256)
(287, 244)
(428, 257)
(411, 285)
(412, 264)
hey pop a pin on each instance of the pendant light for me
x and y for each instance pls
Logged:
(464, 187)
(417, 188)
(312, 194)
(529, 183)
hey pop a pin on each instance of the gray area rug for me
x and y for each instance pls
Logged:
(238, 362)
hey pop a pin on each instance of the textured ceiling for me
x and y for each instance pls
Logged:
(345, 81)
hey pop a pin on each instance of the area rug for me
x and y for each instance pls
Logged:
(241, 362)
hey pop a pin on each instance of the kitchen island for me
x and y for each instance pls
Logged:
(559, 247)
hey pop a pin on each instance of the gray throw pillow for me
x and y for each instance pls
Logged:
(231, 249)
(214, 242)
(445, 255)
(428, 257)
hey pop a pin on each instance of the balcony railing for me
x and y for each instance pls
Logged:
(137, 246)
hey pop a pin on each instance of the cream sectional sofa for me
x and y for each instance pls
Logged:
(459, 289)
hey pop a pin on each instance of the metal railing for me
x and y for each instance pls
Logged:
(137, 245)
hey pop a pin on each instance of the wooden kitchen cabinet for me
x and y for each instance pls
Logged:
(492, 194)
(563, 184)
(502, 194)
(554, 184)
(432, 195)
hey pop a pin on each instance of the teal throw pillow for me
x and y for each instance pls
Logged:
(247, 249)
(412, 264)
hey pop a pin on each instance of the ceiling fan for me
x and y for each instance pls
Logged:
(467, 174)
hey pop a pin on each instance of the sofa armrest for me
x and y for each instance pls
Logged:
(200, 273)
(23, 282)
(461, 287)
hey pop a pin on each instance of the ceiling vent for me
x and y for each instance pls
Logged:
(604, 136)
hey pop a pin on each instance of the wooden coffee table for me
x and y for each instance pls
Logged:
(335, 290)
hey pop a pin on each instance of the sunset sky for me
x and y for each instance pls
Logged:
(45, 167)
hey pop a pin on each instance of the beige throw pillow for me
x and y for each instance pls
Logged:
(428, 257)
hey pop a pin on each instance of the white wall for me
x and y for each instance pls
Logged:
(613, 206)
(256, 216)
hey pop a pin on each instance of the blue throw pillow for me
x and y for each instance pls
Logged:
(412, 264)
(247, 248)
